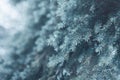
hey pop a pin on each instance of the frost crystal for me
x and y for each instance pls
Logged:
(59, 40)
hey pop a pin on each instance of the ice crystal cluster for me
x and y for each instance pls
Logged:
(60, 40)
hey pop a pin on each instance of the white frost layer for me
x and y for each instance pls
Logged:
(12, 19)
(8, 15)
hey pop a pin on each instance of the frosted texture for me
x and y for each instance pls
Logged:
(60, 40)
